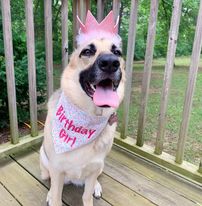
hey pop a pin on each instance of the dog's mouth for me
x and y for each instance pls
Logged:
(104, 93)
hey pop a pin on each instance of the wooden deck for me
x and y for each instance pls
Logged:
(127, 181)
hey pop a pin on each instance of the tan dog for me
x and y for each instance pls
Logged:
(97, 64)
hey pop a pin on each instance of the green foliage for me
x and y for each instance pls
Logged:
(21, 74)
(22, 90)
(186, 30)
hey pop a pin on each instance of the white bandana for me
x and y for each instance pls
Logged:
(72, 128)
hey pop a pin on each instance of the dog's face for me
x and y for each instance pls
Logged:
(100, 69)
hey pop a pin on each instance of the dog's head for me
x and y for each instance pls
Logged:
(97, 67)
(103, 69)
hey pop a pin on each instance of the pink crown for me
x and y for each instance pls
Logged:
(94, 30)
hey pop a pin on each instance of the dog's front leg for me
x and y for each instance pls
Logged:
(89, 189)
(91, 182)
(54, 197)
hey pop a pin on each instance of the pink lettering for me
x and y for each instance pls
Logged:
(67, 122)
(78, 129)
(67, 139)
(71, 139)
(91, 132)
(60, 109)
(63, 118)
(84, 131)
(71, 126)
(62, 133)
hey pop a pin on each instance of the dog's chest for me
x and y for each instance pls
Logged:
(82, 163)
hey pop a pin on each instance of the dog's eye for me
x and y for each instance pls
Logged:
(117, 53)
(87, 53)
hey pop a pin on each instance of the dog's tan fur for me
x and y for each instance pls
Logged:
(87, 162)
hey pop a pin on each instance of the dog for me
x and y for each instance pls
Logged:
(92, 87)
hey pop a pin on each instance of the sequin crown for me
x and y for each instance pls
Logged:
(108, 28)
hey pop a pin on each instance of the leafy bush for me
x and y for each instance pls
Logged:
(20, 67)
(22, 88)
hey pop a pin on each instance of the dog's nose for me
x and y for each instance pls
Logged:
(108, 63)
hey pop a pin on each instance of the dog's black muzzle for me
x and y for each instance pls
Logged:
(105, 72)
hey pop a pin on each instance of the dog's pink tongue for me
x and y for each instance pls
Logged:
(105, 96)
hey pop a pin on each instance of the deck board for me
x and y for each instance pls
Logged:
(145, 187)
(114, 192)
(25, 188)
(155, 174)
(71, 195)
(6, 198)
(127, 181)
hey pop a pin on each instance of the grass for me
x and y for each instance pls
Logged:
(175, 107)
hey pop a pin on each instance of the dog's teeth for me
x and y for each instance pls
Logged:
(92, 86)
(114, 87)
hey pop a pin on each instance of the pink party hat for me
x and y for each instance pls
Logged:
(93, 30)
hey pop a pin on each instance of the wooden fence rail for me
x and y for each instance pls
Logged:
(80, 7)
(129, 65)
(190, 88)
(172, 45)
(64, 21)
(49, 45)
(147, 70)
(8, 48)
(31, 67)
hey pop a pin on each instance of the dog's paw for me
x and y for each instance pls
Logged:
(51, 202)
(97, 191)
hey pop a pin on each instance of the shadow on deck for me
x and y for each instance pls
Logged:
(127, 181)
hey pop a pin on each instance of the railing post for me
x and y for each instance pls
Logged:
(100, 10)
(49, 46)
(75, 25)
(31, 66)
(116, 8)
(190, 88)
(80, 8)
(129, 65)
(147, 70)
(64, 20)
(172, 44)
(83, 6)
(8, 49)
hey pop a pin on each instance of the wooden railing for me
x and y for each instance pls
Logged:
(156, 154)
(80, 7)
